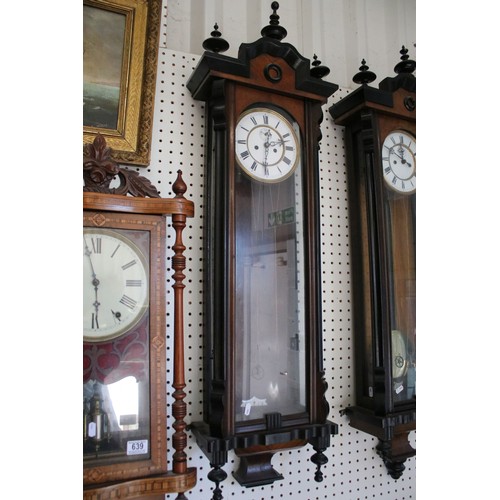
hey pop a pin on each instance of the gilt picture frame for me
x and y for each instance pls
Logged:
(120, 56)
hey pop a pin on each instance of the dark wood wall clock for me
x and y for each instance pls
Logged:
(380, 129)
(124, 338)
(264, 386)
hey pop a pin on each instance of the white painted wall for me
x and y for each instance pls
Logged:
(340, 32)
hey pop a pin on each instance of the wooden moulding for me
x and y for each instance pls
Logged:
(137, 488)
(119, 203)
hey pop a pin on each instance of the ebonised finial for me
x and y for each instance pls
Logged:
(317, 70)
(274, 30)
(364, 76)
(406, 65)
(215, 43)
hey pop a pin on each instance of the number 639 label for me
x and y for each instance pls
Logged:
(139, 447)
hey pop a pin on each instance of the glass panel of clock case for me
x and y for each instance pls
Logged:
(400, 217)
(116, 383)
(270, 362)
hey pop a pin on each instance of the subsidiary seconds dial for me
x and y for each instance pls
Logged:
(266, 145)
(399, 162)
(115, 284)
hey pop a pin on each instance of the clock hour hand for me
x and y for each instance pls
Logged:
(116, 315)
(403, 161)
(278, 143)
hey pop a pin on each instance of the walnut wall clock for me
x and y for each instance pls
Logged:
(382, 167)
(264, 382)
(124, 339)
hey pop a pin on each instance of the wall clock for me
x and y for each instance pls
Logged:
(264, 382)
(380, 129)
(124, 338)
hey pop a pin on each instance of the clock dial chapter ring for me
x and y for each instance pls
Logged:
(266, 145)
(115, 284)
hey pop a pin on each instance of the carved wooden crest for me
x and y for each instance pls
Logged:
(99, 170)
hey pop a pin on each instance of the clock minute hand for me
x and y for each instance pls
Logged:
(95, 282)
(266, 149)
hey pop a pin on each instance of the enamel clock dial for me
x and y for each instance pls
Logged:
(115, 284)
(266, 145)
(399, 162)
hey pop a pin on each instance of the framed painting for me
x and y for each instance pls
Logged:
(120, 55)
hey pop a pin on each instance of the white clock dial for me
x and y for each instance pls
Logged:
(115, 284)
(399, 162)
(266, 145)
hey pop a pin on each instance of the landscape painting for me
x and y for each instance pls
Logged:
(103, 49)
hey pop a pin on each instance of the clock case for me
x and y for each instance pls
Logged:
(369, 115)
(267, 73)
(136, 205)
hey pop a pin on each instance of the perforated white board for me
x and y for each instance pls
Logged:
(354, 470)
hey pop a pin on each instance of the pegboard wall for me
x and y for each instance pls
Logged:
(354, 470)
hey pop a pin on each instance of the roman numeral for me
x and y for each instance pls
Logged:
(96, 245)
(286, 135)
(289, 148)
(128, 302)
(254, 121)
(133, 282)
(287, 160)
(242, 141)
(245, 155)
(277, 124)
(129, 264)
(266, 119)
(116, 250)
(387, 170)
(245, 129)
(254, 165)
(95, 323)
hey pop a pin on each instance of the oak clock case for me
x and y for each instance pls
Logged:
(264, 386)
(124, 339)
(380, 128)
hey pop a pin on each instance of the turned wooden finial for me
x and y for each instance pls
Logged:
(179, 186)
(406, 65)
(273, 29)
(364, 77)
(318, 70)
(215, 43)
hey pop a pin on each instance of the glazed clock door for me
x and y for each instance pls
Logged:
(120, 340)
(399, 173)
(270, 357)
(116, 339)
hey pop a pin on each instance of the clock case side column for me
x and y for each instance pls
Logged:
(214, 434)
(319, 406)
